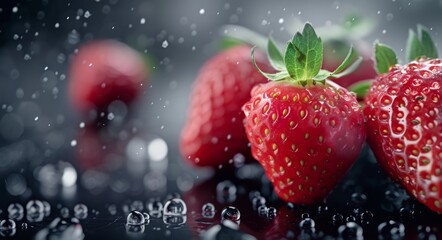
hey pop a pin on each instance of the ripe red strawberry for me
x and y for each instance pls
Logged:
(104, 71)
(305, 130)
(214, 133)
(404, 118)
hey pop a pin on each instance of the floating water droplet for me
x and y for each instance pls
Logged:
(231, 213)
(391, 230)
(165, 44)
(351, 230)
(87, 14)
(175, 206)
(135, 218)
(34, 207)
(80, 211)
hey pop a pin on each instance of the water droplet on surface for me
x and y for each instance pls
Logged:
(146, 217)
(24, 226)
(142, 21)
(367, 217)
(135, 218)
(64, 212)
(7, 224)
(226, 192)
(175, 221)
(358, 198)
(226, 230)
(271, 212)
(112, 209)
(15, 211)
(46, 208)
(262, 210)
(350, 218)
(80, 211)
(135, 231)
(305, 215)
(258, 201)
(137, 205)
(391, 230)
(307, 223)
(351, 230)
(231, 213)
(34, 207)
(175, 206)
(208, 208)
(155, 207)
(338, 219)
(202, 11)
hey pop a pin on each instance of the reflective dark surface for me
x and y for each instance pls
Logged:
(50, 154)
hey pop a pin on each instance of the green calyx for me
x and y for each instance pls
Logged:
(302, 60)
(419, 44)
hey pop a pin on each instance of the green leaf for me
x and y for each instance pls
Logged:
(322, 75)
(385, 57)
(361, 88)
(308, 54)
(272, 76)
(290, 60)
(349, 69)
(420, 44)
(351, 55)
(343, 69)
(275, 56)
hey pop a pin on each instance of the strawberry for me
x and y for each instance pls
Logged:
(305, 130)
(213, 133)
(104, 71)
(403, 114)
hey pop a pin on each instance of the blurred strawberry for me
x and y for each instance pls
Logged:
(104, 71)
(214, 133)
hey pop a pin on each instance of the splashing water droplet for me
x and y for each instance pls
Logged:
(231, 213)
(175, 206)
(135, 218)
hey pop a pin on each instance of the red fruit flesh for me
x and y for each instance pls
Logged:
(404, 122)
(334, 54)
(214, 132)
(306, 138)
(102, 72)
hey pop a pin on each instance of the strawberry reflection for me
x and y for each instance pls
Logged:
(205, 208)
